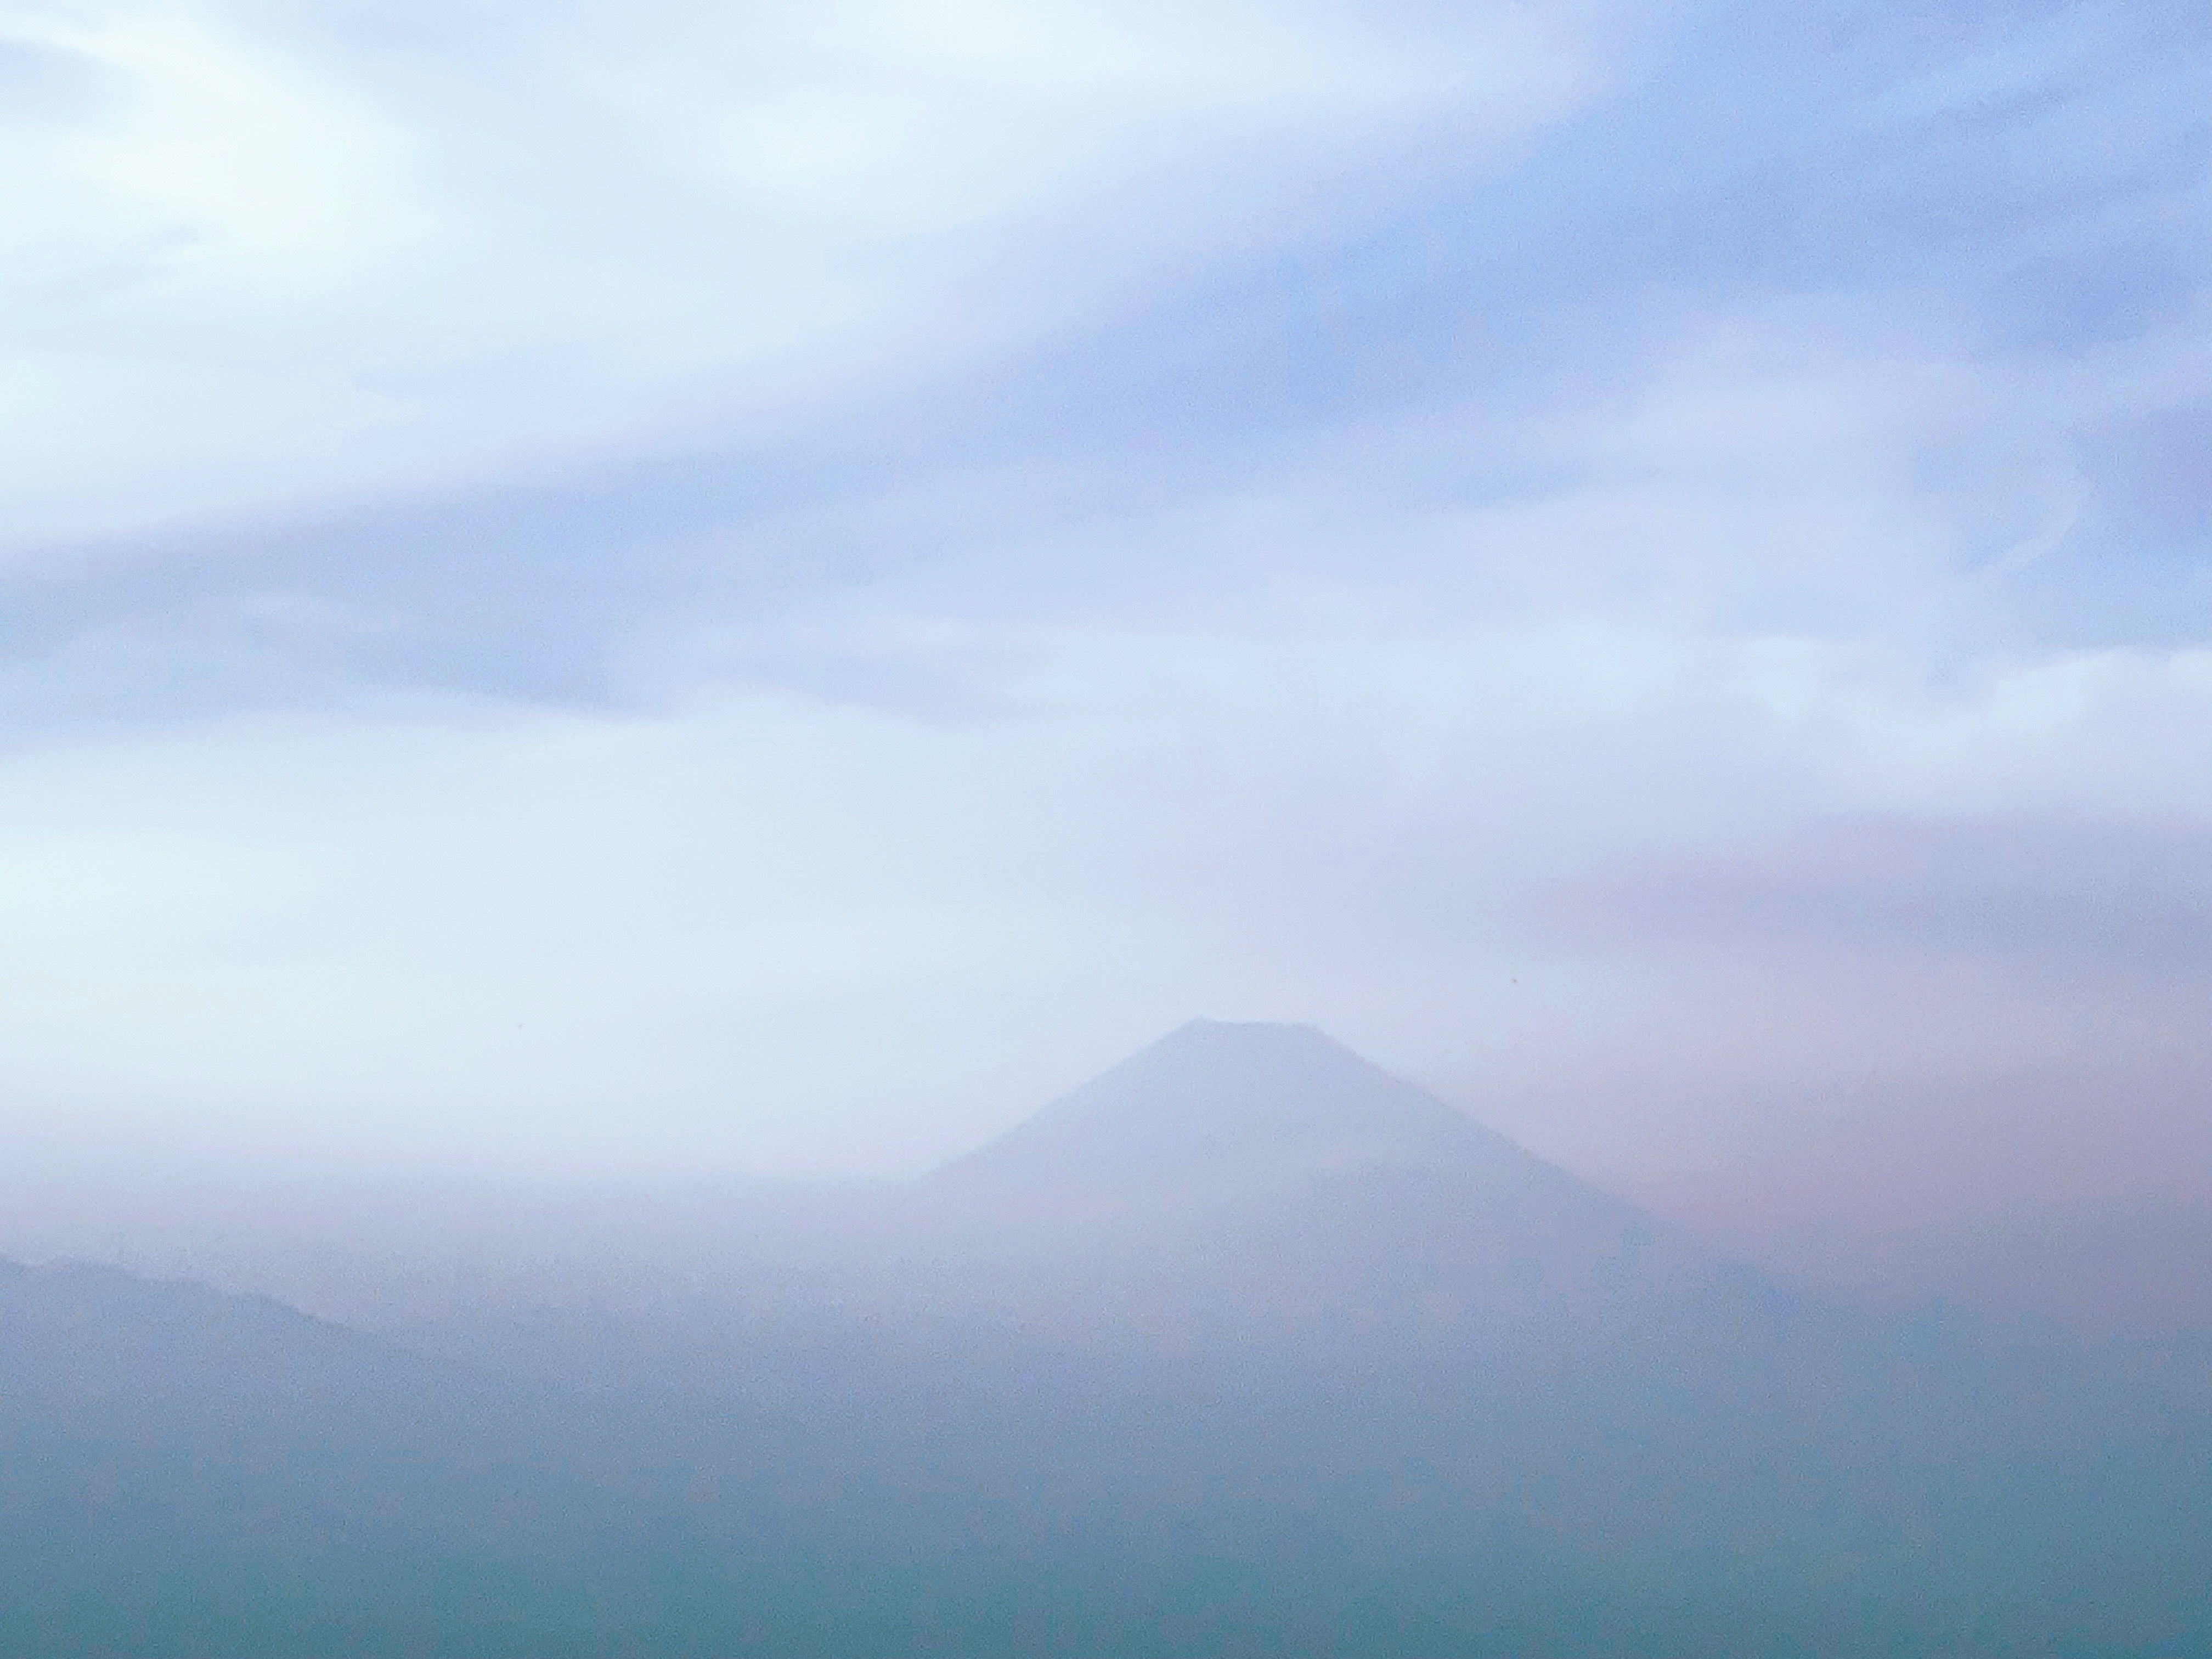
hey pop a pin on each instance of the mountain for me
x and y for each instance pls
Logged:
(1242, 1174)
(1214, 1108)
(1427, 1395)
(187, 1472)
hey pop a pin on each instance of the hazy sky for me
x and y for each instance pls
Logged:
(770, 584)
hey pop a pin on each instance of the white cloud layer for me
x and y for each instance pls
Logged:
(1653, 655)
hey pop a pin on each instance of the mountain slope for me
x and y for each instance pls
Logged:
(2082, 1193)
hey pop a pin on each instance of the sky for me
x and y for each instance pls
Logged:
(767, 588)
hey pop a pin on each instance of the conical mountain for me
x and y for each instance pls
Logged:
(1235, 1171)
(1217, 1102)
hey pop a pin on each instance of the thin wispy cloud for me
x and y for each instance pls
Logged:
(264, 255)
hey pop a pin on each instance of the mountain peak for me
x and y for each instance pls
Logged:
(1233, 1170)
(1225, 1100)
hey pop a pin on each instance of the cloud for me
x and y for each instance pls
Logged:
(820, 579)
(777, 926)
(266, 256)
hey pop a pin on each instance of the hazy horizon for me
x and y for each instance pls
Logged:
(1245, 1346)
(2048, 1194)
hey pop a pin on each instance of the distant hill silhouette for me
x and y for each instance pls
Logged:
(1259, 1172)
(1425, 1395)
(184, 1473)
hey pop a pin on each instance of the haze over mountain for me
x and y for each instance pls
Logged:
(1421, 1393)
(2077, 1195)
(1229, 1170)
(2083, 1194)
